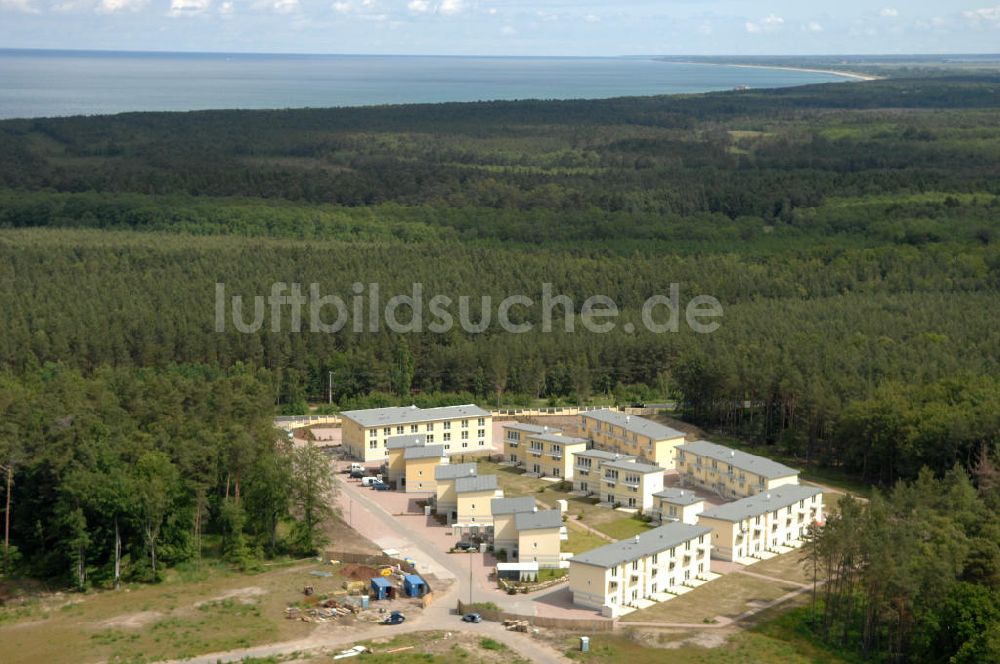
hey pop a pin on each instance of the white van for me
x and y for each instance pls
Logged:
(359, 467)
(368, 481)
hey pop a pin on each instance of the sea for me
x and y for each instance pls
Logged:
(37, 83)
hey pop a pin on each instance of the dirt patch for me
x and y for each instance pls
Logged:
(133, 620)
(358, 572)
(244, 595)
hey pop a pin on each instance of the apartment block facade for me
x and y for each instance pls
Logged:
(587, 470)
(632, 435)
(772, 521)
(538, 537)
(645, 567)
(445, 498)
(464, 429)
(504, 511)
(630, 484)
(422, 462)
(674, 504)
(730, 473)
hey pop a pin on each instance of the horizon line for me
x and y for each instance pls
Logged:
(480, 55)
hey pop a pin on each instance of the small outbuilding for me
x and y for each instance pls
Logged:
(382, 588)
(414, 586)
(518, 571)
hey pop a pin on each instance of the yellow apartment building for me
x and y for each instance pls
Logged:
(474, 496)
(445, 499)
(464, 429)
(539, 537)
(551, 455)
(730, 473)
(630, 484)
(775, 521)
(422, 462)
(587, 471)
(504, 531)
(674, 504)
(645, 567)
(514, 439)
(632, 435)
(396, 465)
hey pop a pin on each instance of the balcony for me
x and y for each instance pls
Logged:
(535, 453)
(512, 443)
(556, 455)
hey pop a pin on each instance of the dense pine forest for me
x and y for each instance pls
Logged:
(851, 232)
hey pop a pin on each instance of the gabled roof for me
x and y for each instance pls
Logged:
(424, 452)
(678, 496)
(775, 499)
(393, 415)
(603, 455)
(557, 438)
(402, 442)
(644, 468)
(500, 506)
(476, 484)
(538, 520)
(634, 423)
(750, 463)
(455, 470)
(528, 428)
(644, 544)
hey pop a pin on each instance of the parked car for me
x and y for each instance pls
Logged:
(395, 618)
(466, 546)
(472, 618)
(369, 480)
(357, 474)
(360, 467)
(381, 486)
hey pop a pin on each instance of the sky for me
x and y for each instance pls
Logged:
(507, 27)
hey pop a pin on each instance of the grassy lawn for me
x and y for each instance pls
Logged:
(550, 574)
(195, 610)
(581, 540)
(788, 566)
(442, 647)
(744, 647)
(513, 480)
(727, 596)
(623, 527)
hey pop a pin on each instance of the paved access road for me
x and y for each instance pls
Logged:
(388, 531)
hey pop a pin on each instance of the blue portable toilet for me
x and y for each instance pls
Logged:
(381, 588)
(414, 586)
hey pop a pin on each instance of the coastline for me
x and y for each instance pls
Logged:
(809, 70)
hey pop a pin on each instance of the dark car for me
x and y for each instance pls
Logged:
(357, 474)
(472, 618)
(381, 486)
(395, 618)
(466, 546)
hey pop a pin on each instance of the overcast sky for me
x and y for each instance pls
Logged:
(506, 27)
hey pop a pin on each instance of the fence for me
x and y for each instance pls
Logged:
(573, 624)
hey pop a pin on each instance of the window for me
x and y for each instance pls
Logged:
(430, 438)
(482, 421)
(387, 431)
(555, 471)
(482, 433)
(373, 444)
(447, 425)
(413, 428)
(372, 433)
(635, 564)
(399, 429)
(465, 435)
(655, 557)
(465, 444)
(447, 436)
(429, 427)
(465, 424)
